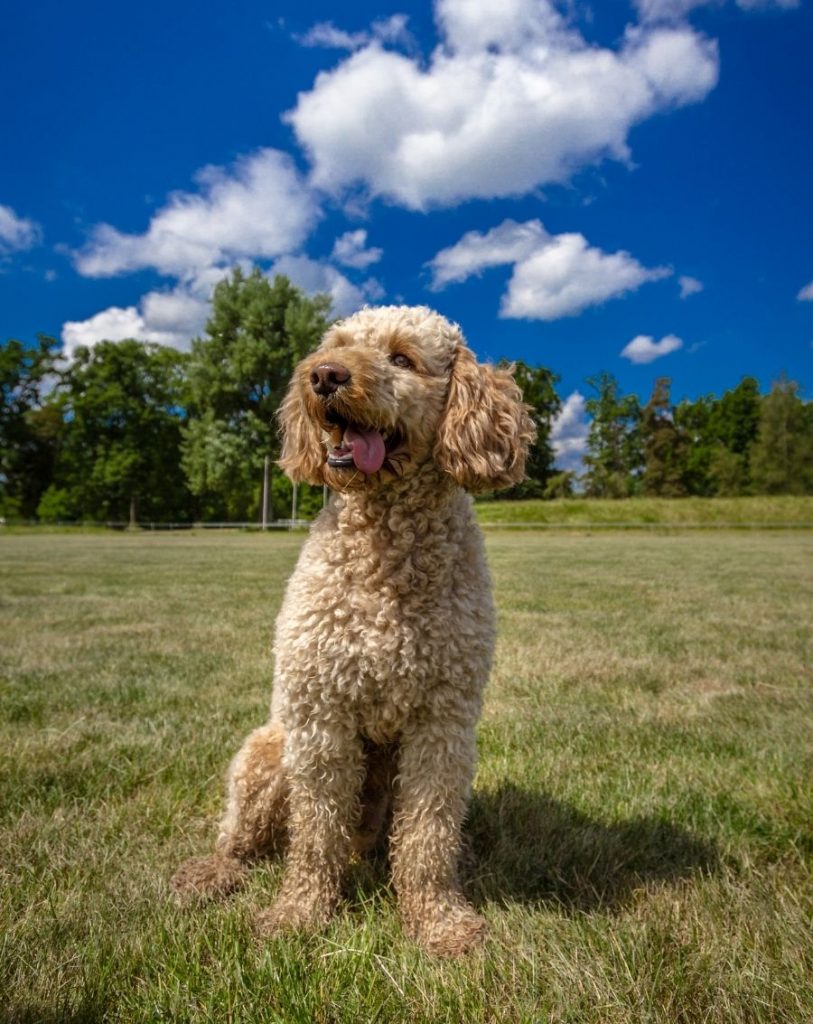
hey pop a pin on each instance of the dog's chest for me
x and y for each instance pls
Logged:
(368, 637)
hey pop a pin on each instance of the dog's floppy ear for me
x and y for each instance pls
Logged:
(303, 454)
(483, 438)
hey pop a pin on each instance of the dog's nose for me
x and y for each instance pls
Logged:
(329, 377)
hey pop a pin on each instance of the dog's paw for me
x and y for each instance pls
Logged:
(449, 929)
(207, 877)
(286, 916)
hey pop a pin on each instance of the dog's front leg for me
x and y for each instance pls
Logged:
(434, 779)
(325, 767)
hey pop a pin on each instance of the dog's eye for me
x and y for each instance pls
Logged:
(399, 359)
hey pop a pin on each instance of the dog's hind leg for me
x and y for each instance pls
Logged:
(255, 822)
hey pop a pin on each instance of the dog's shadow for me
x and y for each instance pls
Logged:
(531, 848)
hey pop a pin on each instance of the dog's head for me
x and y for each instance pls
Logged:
(391, 388)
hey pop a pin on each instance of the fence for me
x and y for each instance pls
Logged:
(112, 524)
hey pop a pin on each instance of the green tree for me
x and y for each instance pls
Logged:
(782, 455)
(29, 427)
(122, 409)
(614, 454)
(692, 417)
(664, 445)
(735, 417)
(538, 386)
(726, 472)
(560, 485)
(239, 370)
(712, 424)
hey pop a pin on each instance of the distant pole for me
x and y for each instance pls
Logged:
(324, 495)
(294, 496)
(265, 494)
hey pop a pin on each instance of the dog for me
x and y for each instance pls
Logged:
(386, 634)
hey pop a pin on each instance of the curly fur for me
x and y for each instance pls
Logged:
(385, 638)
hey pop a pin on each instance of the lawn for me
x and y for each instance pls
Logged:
(776, 511)
(640, 840)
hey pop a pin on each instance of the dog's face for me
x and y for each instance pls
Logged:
(391, 388)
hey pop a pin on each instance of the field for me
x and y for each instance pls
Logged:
(777, 511)
(640, 841)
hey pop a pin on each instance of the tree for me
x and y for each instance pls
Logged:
(238, 373)
(734, 418)
(29, 428)
(664, 445)
(726, 471)
(122, 408)
(538, 386)
(782, 455)
(692, 417)
(614, 455)
(720, 433)
(560, 485)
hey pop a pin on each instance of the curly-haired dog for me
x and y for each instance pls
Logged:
(385, 638)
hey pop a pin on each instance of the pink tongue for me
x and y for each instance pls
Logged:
(368, 449)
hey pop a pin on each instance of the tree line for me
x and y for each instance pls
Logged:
(736, 444)
(134, 431)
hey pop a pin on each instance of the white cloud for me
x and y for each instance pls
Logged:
(553, 275)
(316, 276)
(174, 316)
(170, 317)
(259, 208)
(325, 33)
(350, 250)
(386, 30)
(472, 26)
(766, 5)
(806, 293)
(668, 10)
(567, 276)
(509, 242)
(17, 233)
(512, 99)
(569, 432)
(677, 10)
(689, 286)
(644, 348)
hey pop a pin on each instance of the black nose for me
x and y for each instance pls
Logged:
(329, 377)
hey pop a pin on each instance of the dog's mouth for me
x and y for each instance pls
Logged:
(359, 446)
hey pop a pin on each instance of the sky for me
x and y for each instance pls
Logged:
(621, 186)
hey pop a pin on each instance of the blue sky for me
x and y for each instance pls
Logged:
(588, 186)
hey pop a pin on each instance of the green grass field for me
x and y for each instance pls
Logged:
(775, 511)
(641, 836)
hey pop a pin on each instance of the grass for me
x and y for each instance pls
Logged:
(778, 511)
(641, 838)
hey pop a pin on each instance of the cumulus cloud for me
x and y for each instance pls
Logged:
(317, 276)
(806, 293)
(644, 348)
(170, 317)
(174, 316)
(569, 432)
(350, 249)
(17, 233)
(258, 208)
(766, 5)
(386, 30)
(509, 242)
(676, 10)
(553, 275)
(689, 286)
(512, 98)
